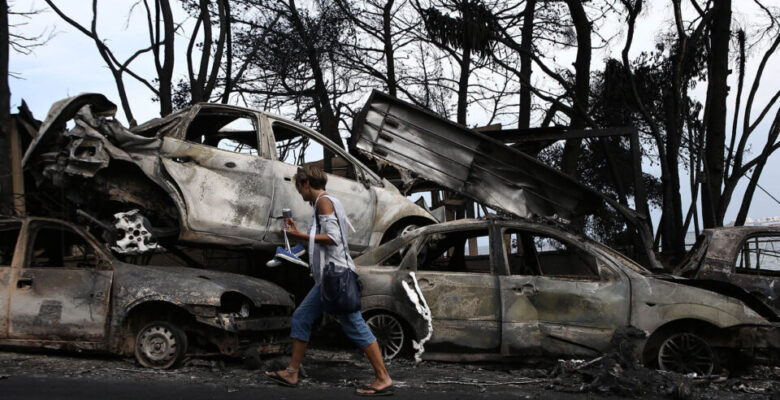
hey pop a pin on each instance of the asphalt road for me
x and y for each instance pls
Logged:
(334, 374)
(52, 388)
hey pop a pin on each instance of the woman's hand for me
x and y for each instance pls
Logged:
(289, 226)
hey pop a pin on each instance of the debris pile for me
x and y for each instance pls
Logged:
(619, 372)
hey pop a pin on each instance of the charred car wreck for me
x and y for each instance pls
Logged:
(512, 286)
(60, 289)
(747, 257)
(209, 174)
(519, 286)
(530, 288)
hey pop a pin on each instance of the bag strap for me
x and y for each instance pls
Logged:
(341, 232)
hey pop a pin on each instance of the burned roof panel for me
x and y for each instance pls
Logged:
(467, 161)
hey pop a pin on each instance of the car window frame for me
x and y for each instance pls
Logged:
(252, 115)
(604, 272)
(738, 252)
(421, 240)
(363, 173)
(103, 262)
(16, 253)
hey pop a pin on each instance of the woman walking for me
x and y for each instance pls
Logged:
(327, 237)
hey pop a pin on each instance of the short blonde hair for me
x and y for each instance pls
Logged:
(316, 177)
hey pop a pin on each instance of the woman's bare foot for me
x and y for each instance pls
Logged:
(283, 377)
(378, 385)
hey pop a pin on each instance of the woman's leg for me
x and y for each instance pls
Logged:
(355, 328)
(303, 318)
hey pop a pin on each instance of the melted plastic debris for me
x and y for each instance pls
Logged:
(137, 239)
(417, 298)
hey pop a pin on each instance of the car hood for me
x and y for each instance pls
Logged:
(184, 285)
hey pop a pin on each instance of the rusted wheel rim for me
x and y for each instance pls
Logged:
(686, 353)
(158, 345)
(389, 334)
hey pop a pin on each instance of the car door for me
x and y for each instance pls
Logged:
(570, 297)
(9, 238)
(61, 291)
(298, 146)
(461, 289)
(220, 172)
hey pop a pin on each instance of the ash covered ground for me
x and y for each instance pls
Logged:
(334, 368)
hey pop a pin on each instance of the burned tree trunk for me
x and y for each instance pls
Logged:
(717, 92)
(524, 118)
(6, 191)
(571, 150)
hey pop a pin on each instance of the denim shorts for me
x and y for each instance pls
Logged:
(310, 310)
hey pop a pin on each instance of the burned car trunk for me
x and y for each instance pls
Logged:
(209, 174)
(61, 289)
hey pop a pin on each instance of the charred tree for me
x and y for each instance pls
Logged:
(717, 93)
(6, 191)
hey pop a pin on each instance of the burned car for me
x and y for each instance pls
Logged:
(209, 174)
(747, 257)
(515, 288)
(60, 289)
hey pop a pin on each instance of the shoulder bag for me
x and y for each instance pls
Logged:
(340, 287)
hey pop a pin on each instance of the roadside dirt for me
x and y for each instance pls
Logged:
(337, 368)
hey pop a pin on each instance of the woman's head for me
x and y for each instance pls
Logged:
(310, 177)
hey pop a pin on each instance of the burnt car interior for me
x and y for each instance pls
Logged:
(759, 255)
(459, 251)
(9, 234)
(226, 130)
(59, 247)
(530, 253)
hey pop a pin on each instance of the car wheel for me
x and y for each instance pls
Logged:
(686, 353)
(389, 333)
(160, 345)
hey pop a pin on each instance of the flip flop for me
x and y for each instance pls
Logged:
(388, 391)
(274, 376)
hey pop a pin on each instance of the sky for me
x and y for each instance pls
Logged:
(69, 64)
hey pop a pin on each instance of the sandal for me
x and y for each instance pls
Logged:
(388, 391)
(274, 376)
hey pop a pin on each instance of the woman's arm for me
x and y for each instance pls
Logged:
(323, 208)
(321, 238)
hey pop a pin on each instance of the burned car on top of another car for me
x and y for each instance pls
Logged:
(747, 257)
(520, 288)
(61, 289)
(209, 174)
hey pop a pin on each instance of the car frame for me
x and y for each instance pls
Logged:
(501, 315)
(715, 259)
(208, 174)
(61, 289)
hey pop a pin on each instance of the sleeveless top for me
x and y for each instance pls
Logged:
(335, 226)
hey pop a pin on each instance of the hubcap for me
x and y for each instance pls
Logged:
(389, 334)
(686, 353)
(158, 345)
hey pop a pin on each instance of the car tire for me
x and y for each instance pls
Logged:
(685, 353)
(392, 337)
(160, 345)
